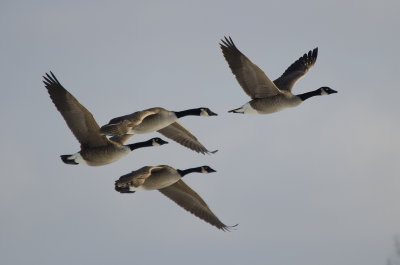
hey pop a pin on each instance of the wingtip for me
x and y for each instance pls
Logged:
(227, 42)
(229, 228)
(50, 79)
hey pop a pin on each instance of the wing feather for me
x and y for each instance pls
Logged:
(78, 118)
(297, 70)
(181, 135)
(251, 78)
(135, 178)
(123, 124)
(188, 199)
(121, 139)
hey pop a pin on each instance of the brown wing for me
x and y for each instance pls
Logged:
(121, 125)
(297, 70)
(77, 117)
(121, 139)
(188, 199)
(251, 78)
(179, 134)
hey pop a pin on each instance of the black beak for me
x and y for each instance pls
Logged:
(212, 113)
(211, 170)
(329, 90)
(332, 91)
(163, 142)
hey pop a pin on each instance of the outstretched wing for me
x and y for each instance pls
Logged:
(297, 70)
(188, 199)
(251, 78)
(181, 135)
(77, 117)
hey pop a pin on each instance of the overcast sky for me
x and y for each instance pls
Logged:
(318, 184)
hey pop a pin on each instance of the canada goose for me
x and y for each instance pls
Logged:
(96, 149)
(161, 120)
(267, 96)
(168, 181)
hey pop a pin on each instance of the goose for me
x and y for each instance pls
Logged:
(96, 149)
(267, 96)
(169, 182)
(161, 120)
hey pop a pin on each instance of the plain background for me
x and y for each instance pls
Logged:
(318, 184)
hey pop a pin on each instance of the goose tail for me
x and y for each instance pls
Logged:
(122, 188)
(68, 159)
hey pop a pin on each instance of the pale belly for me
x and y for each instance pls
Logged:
(272, 104)
(103, 156)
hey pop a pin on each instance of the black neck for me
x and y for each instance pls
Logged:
(189, 170)
(140, 145)
(307, 95)
(183, 113)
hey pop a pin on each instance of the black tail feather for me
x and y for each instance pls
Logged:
(123, 189)
(67, 160)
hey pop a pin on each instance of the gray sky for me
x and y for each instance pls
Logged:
(318, 184)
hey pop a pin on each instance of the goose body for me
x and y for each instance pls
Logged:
(96, 149)
(103, 155)
(97, 156)
(140, 122)
(154, 123)
(148, 178)
(169, 182)
(160, 120)
(269, 104)
(267, 96)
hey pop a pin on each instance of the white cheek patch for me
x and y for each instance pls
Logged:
(203, 170)
(203, 113)
(323, 92)
(155, 143)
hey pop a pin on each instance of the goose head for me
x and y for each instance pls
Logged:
(326, 90)
(157, 141)
(207, 169)
(207, 112)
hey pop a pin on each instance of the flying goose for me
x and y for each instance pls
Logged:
(168, 181)
(96, 149)
(161, 120)
(267, 96)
